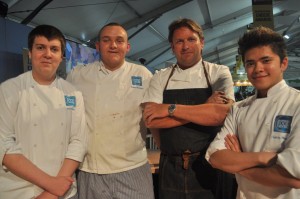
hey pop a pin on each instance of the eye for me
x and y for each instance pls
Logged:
(55, 49)
(105, 40)
(192, 40)
(179, 41)
(266, 61)
(249, 64)
(39, 47)
(120, 41)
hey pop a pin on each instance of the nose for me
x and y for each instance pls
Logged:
(185, 45)
(258, 67)
(113, 45)
(47, 52)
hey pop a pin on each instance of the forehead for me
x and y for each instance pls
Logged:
(184, 32)
(43, 40)
(259, 52)
(113, 31)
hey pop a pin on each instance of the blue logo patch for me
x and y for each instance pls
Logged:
(283, 123)
(70, 101)
(136, 82)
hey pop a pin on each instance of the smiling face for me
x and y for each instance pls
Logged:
(187, 47)
(113, 46)
(45, 57)
(264, 68)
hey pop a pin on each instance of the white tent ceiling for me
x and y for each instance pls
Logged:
(146, 21)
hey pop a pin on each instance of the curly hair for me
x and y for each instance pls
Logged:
(262, 36)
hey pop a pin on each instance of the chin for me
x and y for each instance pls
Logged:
(262, 87)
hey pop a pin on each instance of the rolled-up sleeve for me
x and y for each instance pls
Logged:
(222, 81)
(78, 136)
(289, 158)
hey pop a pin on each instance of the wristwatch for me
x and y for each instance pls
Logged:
(171, 109)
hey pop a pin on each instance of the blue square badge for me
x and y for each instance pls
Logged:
(136, 82)
(283, 123)
(70, 101)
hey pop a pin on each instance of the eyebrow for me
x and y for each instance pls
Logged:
(261, 58)
(108, 37)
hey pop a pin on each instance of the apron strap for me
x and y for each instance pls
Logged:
(206, 76)
(172, 72)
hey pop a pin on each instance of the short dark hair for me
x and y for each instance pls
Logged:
(109, 24)
(50, 32)
(262, 36)
(184, 22)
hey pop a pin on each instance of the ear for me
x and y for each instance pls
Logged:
(29, 54)
(172, 47)
(202, 43)
(284, 64)
(128, 47)
(97, 45)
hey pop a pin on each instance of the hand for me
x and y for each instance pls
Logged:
(153, 111)
(218, 97)
(59, 185)
(232, 143)
(46, 195)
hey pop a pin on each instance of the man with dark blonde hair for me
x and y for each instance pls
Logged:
(260, 138)
(184, 106)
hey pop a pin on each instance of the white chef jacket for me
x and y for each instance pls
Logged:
(194, 77)
(45, 123)
(266, 124)
(114, 115)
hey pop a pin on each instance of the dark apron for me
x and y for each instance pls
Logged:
(198, 180)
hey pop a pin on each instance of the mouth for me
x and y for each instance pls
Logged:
(259, 77)
(46, 64)
(185, 52)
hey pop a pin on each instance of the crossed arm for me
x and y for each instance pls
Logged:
(209, 114)
(259, 167)
(212, 113)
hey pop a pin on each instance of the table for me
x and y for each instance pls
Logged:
(153, 159)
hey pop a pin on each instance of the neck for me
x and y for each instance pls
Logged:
(43, 81)
(261, 94)
(112, 67)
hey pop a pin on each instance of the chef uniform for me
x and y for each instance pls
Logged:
(46, 124)
(266, 124)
